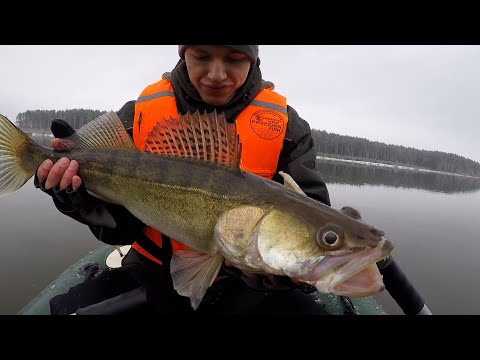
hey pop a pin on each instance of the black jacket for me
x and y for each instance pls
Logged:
(114, 225)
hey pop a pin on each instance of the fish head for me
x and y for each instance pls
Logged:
(347, 265)
(329, 249)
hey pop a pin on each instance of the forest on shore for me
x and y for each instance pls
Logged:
(327, 144)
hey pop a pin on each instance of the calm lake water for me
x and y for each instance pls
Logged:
(432, 219)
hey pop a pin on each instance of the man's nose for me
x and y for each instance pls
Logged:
(217, 71)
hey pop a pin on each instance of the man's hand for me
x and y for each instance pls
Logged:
(64, 171)
(71, 197)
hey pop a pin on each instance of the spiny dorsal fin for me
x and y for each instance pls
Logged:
(106, 131)
(204, 136)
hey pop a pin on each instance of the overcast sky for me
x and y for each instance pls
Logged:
(421, 96)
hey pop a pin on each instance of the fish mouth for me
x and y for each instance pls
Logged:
(355, 274)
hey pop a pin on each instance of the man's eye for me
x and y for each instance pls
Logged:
(200, 56)
(235, 58)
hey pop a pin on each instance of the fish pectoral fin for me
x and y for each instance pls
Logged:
(290, 183)
(193, 272)
(234, 230)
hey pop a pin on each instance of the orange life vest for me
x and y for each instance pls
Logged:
(261, 127)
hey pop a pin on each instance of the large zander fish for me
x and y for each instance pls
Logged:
(188, 184)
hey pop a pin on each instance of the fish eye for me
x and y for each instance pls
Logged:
(330, 238)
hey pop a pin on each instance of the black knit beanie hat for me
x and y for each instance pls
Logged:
(250, 50)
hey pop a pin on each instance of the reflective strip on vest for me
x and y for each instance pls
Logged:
(261, 127)
(271, 106)
(155, 96)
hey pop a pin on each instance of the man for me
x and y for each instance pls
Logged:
(222, 78)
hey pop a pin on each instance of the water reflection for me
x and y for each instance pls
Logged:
(435, 234)
(357, 174)
(336, 172)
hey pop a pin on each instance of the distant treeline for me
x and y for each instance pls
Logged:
(42, 119)
(328, 144)
(351, 147)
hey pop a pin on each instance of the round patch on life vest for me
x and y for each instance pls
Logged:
(267, 124)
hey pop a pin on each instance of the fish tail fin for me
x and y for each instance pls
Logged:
(19, 157)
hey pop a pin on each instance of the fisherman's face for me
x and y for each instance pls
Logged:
(216, 72)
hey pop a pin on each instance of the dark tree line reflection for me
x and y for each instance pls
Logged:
(357, 174)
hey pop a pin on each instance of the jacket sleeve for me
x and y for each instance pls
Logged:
(109, 223)
(298, 157)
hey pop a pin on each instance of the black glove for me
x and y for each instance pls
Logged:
(267, 282)
(110, 223)
(61, 129)
(76, 199)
